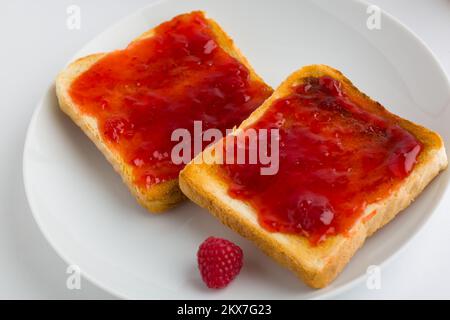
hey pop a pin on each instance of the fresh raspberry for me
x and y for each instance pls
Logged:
(219, 261)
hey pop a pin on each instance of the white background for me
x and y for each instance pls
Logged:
(35, 45)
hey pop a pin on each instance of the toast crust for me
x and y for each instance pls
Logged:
(159, 197)
(317, 265)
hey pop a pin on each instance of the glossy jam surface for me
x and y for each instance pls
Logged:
(141, 94)
(334, 160)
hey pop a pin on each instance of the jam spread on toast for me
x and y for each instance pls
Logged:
(335, 158)
(179, 75)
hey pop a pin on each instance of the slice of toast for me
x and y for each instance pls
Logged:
(157, 196)
(316, 264)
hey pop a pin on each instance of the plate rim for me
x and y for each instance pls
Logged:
(326, 295)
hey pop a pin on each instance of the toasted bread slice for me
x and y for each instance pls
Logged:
(317, 265)
(157, 197)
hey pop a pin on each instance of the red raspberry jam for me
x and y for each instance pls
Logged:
(141, 94)
(335, 159)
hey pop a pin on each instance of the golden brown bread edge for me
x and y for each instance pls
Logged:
(317, 265)
(157, 198)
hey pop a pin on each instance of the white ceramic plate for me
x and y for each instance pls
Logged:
(92, 221)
